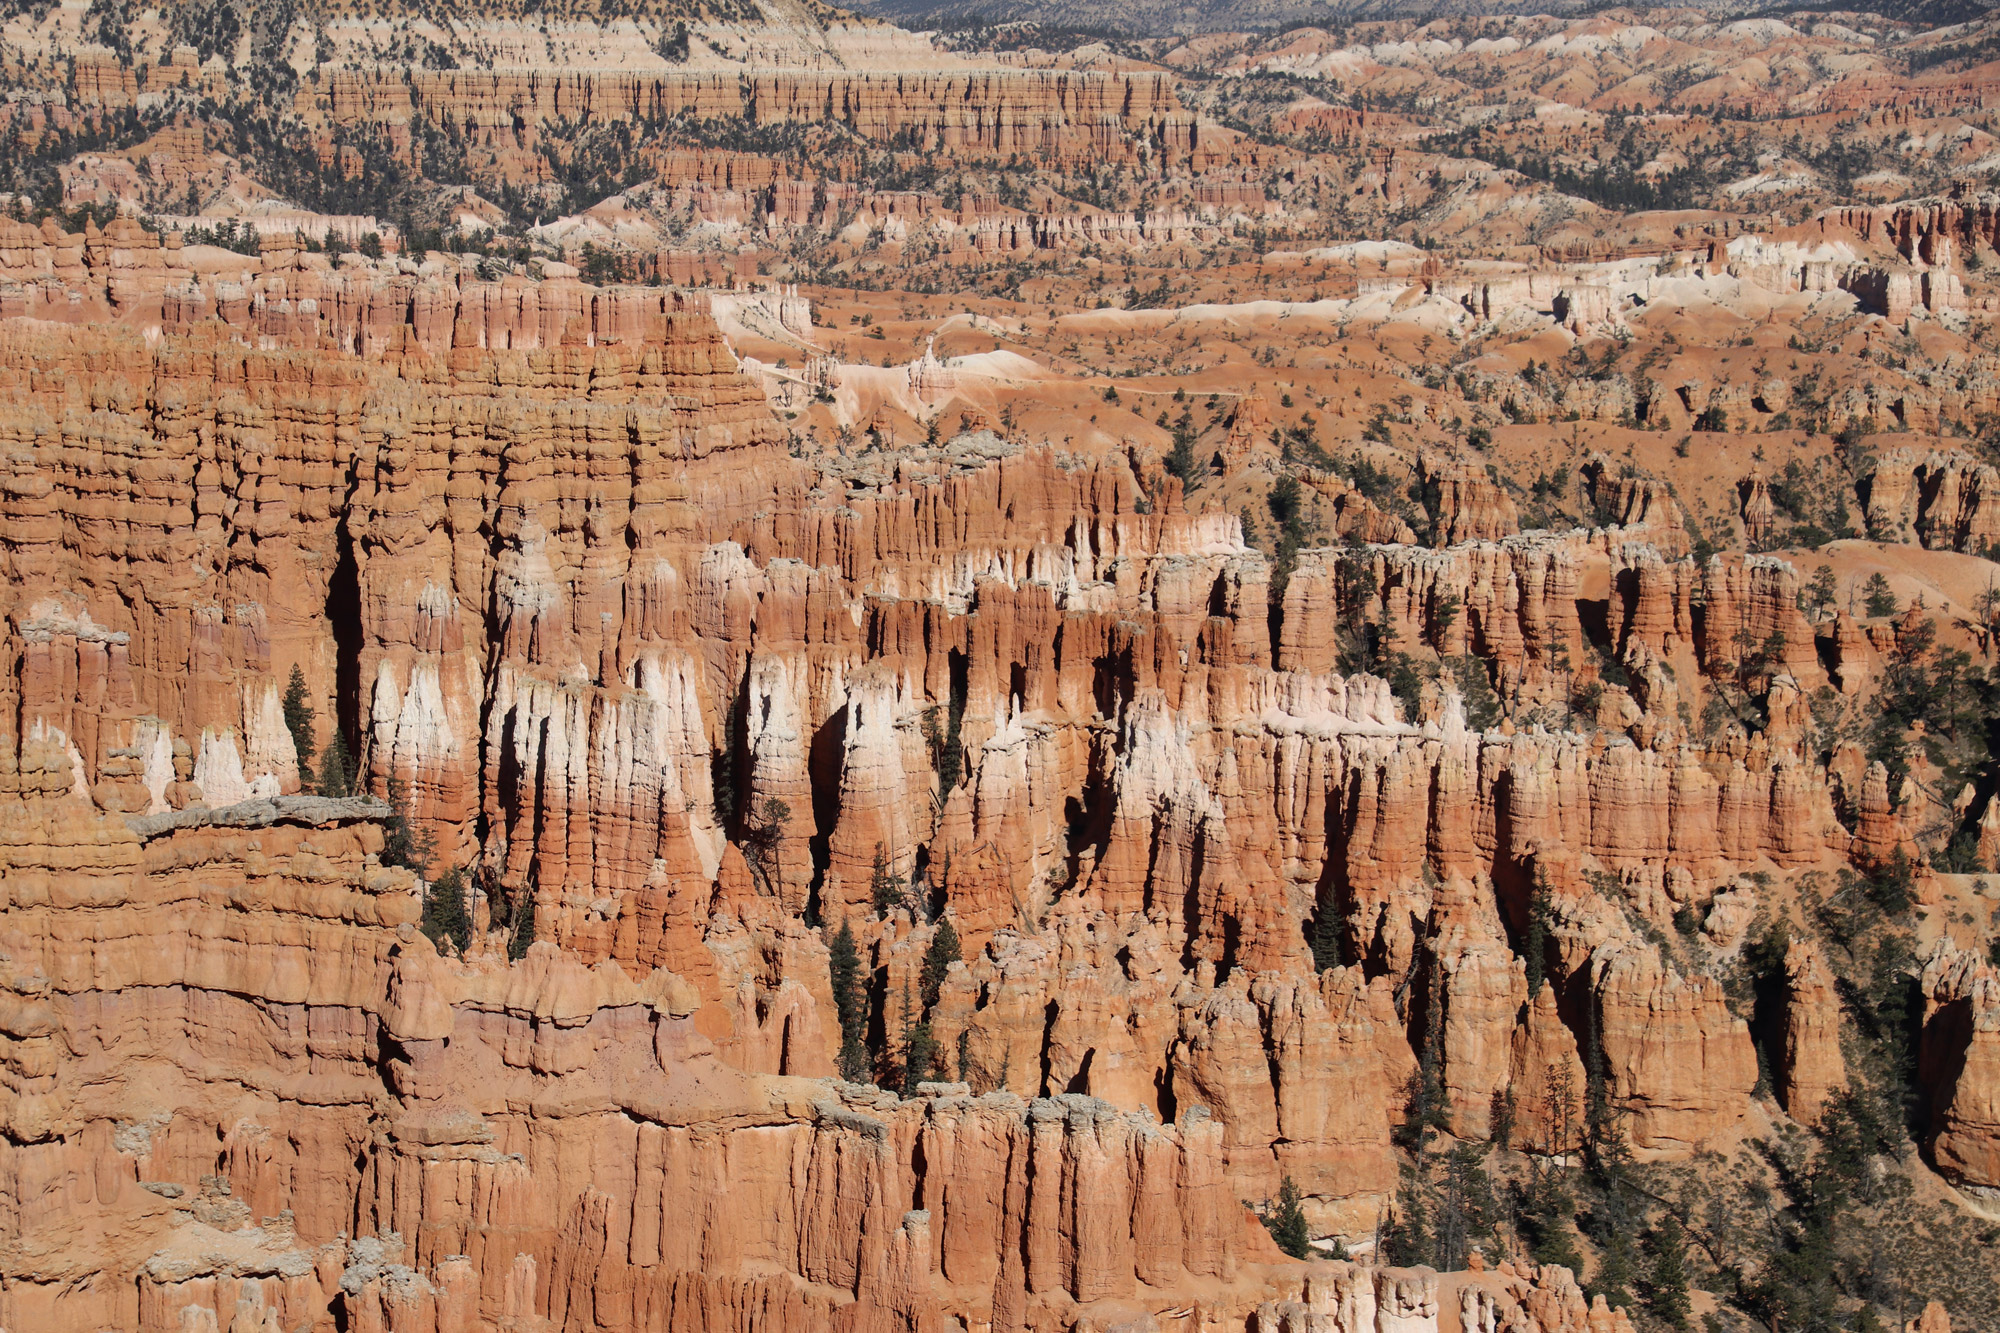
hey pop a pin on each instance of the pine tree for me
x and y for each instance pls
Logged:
(1666, 1285)
(1503, 1117)
(444, 914)
(943, 736)
(1880, 601)
(920, 1056)
(1535, 942)
(404, 841)
(1464, 1207)
(1559, 1109)
(1426, 1108)
(1287, 1221)
(299, 721)
(1180, 459)
(844, 969)
(761, 840)
(1326, 938)
(1543, 1208)
(885, 887)
(917, 1047)
(524, 926)
(944, 950)
(1615, 1270)
(1606, 1150)
(1407, 1240)
(336, 772)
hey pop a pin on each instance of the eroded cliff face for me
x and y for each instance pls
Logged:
(960, 109)
(1961, 1044)
(244, 1092)
(547, 565)
(240, 1082)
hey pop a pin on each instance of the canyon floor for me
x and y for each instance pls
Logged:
(734, 668)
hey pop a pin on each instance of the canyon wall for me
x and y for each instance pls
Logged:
(234, 1060)
(973, 110)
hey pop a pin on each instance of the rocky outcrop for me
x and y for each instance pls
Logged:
(1546, 1080)
(334, 460)
(319, 1119)
(561, 630)
(1749, 623)
(1758, 511)
(546, 1137)
(1465, 504)
(1674, 1055)
(1961, 1044)
(1644, 507)
(1512, 601)
(1812, 1069)
(1947, 501)
(1073, 114)
(1343, 1298)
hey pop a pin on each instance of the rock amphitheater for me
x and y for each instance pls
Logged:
(924, 757)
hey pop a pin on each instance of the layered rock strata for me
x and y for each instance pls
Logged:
(550, 573)
(1072, 114)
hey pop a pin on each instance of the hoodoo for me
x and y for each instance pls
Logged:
(744, 669)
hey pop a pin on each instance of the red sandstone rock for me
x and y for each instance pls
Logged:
(1673, 1053)
(1465, 504)
(1813, 1068)
(1957, 1063)
(538, 547)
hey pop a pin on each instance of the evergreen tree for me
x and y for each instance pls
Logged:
(1407, 1240)
(1535, 942)
(1879, 600)
(1559, 1109)
(1666, 1282)
(1287, 503)
(761, 839)
(404, 841)
(1463, 1209)
(1543, 1207)
(920, 1056)
(944, 950)
(1181, 459)
(1326, 937)
(299, 721)
(885, 887)
(444, 914)
(1286, 1221)
(942, 734)
(1445, 1207)
(524, 926)
(844, 967)
(1503, 1117)
(1616, 1269)
(918, 1049)
(336, 771)
(1426, 1108)
(1605, 1149)
(722, 766)
(1823, 1186)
